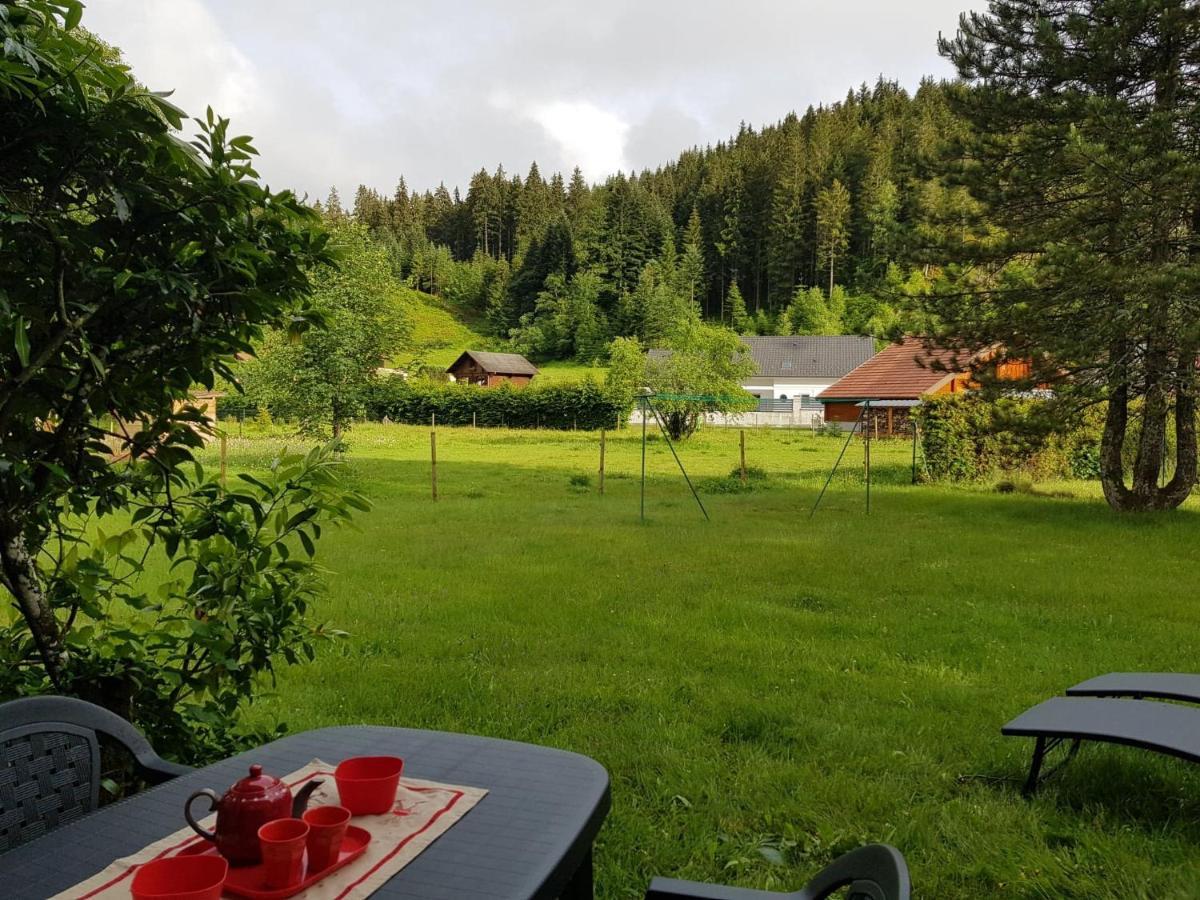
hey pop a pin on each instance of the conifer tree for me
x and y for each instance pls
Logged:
(400, 212)
(484, 203)
(690, 269)
(333, 206)
(833, 225)
(786, 248)
(1086, 124)
(739, 318)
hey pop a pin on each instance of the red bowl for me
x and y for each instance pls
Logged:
(367, 784)
(180, 878)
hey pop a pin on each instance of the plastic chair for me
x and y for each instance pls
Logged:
(50, 763)
(873, 872)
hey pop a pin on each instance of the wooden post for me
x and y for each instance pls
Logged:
(742, 432)
(223, 455)
(472, 420)
(433, 462)
(916, 437)
(602, 462)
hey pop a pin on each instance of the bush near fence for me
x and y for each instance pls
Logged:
(585, 404)
(968, 436)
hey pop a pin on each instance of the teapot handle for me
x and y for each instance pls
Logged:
(187, 812)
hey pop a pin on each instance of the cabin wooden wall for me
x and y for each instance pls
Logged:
(473, 373)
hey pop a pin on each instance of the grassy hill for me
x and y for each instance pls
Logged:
(442, 330)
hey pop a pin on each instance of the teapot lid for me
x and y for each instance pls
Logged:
(256, 782)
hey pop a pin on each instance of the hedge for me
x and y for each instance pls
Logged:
(584, 404)
(966, 436)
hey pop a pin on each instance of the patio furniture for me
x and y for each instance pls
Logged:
(873, 872)
(50, 763)
(1183, 687)
(1161, 727)
(530, 837)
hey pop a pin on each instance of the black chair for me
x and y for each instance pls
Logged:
(50, 763)
(873, 872)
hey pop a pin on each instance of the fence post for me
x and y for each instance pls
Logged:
(223, 454)
(742, 432)
(472, 419)
(433, 462)
(602, 462)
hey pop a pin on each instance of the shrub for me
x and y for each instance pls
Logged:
(967, 436)
(563, 406)
(756, 479)
(182, 657)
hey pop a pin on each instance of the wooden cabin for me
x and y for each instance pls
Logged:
(907, 371)
(491, 369)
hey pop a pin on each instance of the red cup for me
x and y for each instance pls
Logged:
(180, 878)
(367, 784)
(326, 829)
(282, 842)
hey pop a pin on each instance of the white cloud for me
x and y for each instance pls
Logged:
(588, 136)
(368, 90)
(180, 43)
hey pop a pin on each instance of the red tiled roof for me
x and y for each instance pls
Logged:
(903, 371)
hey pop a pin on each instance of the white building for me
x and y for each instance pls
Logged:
(790, 373)
(802, 366)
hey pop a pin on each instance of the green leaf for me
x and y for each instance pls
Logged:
(21, 340)
(771, 855)
(300, 518)
(308, 544)
(74, 14)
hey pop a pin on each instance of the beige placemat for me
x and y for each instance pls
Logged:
(424, 811)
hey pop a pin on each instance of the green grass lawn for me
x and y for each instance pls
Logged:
(767, 690)
(557, 370)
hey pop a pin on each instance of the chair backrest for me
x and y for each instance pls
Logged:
(50, 763)
(872, 872)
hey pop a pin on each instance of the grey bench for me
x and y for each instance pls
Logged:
(1149, 725)
(1183, 687)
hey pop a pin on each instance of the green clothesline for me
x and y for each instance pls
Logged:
(696, 398)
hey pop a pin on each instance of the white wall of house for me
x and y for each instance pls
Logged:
(786, 388)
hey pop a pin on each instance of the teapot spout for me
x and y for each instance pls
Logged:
(300, 803)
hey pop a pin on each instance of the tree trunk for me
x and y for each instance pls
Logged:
(21, 577)
(1116, 421)
(1146, 494)
(1180, 486)
(1152, 441)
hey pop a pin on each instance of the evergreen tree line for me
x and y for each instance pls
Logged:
(801, 227)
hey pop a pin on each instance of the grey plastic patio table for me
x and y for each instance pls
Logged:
(530, 837)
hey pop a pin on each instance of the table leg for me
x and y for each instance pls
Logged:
(580, 887)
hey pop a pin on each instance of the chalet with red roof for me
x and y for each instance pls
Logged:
(899, 376)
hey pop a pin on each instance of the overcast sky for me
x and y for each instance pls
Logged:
(364, 90)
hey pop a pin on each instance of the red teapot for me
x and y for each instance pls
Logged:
(251, 803)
